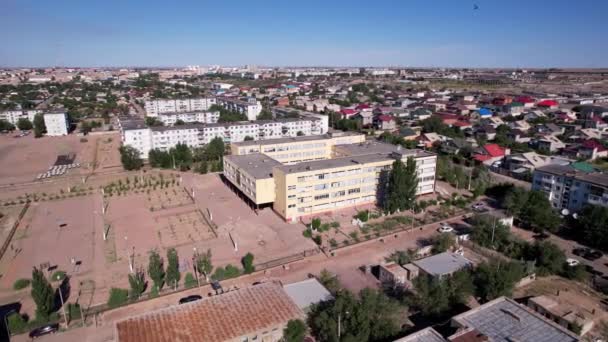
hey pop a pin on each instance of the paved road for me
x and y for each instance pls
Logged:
(567, 246)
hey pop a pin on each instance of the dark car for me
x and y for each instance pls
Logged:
(189, 299)
(579, 251)
(592, 255)
(44, 330)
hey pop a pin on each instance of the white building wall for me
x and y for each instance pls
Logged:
(56, 124)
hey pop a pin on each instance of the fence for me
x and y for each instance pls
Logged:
(9, 238)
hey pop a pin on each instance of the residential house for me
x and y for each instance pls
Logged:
(385, 122)
(367, 118)
(529, 161)
(392, 274)
(428, 139)
(442, 265)
(550, 143)
(490, 153)
(407, 133)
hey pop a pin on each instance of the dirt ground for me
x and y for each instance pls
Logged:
(29, 157)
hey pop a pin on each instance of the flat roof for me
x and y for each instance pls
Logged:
(442, 263)
(425, 335)
(596, 178)
(369, 147)
(257, 165)
(503, 319)
(333, 163)
(213, 319)
(282, 140)
(307, 292)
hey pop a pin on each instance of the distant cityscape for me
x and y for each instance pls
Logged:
(258, 203)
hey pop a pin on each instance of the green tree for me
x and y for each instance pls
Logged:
(150, 121)
(593, 226)
(443, 242)
(497, 278)
(158, 158)
(370, 316)
(6, 126)
(295, 331)
(402, 257)
(156, 270)
(118, 297)
(488, 232)
(265, 114)
(24, 124)
(181, 156)
(550, 259)
(137, 281)
(39, 125)
(179, 122)
(172, 277)
(129, 157)
(329, 281)
(434, 296)
(204, 264)
(402, 186)
(248, 138)
(538, 213)
(42, 294)
(215, 149)
(247, 262)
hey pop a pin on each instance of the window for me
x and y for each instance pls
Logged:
(291, 187)
(291, 196)
(291, 206)
(320, 197)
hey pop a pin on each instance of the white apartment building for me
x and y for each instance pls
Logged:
(251, 108)
(155, 107)
(569, 188)
(13, 116)
(56, 123)
(169, 119)
(136, 134)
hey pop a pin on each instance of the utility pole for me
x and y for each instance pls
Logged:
(195, 266)
(65, 317)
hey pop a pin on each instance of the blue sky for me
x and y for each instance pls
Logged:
(509, 33)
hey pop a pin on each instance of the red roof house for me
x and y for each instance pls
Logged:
(348, 112)
(490, 153)
(547, 103)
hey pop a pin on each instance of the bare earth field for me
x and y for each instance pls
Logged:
(29, 157)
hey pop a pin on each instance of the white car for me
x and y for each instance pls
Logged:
(478, 206)
(572, 262)
(445, 228)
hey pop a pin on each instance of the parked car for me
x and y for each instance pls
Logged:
(478, 207)
(44, 330)
(445, 228)
(593, 255)
(579, 251)
(572, 262)
(189, 299)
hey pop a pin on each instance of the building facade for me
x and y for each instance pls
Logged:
(208, 117)
(569, 188)
(159, 106)
(353, 174)
(13, 116)
(251, 108)
(56, 123)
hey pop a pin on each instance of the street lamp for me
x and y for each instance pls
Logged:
(339, 323)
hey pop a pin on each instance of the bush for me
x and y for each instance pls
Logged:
(335, 224)
(318, 239)
(226, 273)
(316, 223)
(362, 215)
(153, 291)
(307, 233)
(58, 275)
(16, 323)
(333, 243)
(190, 281)
(247, 262)
(21, 284)
(118, 297)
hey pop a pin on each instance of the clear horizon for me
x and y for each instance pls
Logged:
(448, 34)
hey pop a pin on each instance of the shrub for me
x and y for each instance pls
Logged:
(58, 275)
(335, 224)
(20, 284)
(16, 323)
(154, 291)
(247, 262)
(316, 223)
(333, 243)
(307, 233)
(228, 272)
(118, 297)
(324, 227)
(362, 215)
(318, 239)
(189, 281)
